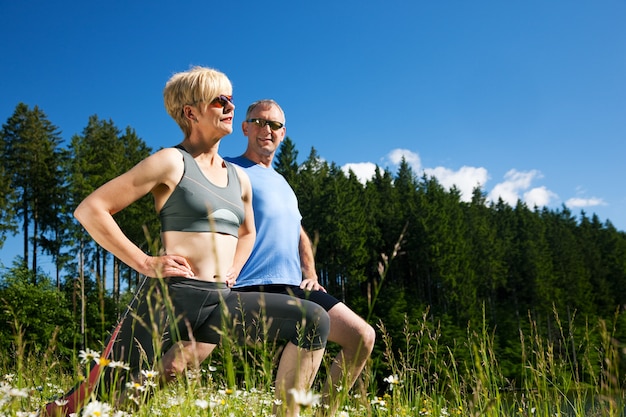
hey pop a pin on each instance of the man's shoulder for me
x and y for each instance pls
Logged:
(240, 160)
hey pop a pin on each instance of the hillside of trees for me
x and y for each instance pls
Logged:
(395, 249)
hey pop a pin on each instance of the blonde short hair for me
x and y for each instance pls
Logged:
(199, 85)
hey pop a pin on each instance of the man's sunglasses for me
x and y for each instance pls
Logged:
(262, 123)
(221, 101)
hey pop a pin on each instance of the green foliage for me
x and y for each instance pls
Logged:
(33, 310)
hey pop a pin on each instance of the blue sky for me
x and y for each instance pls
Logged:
(526, 98)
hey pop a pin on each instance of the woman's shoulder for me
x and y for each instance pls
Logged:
(241, 173)
(167, 156)
(161, 165)
(244, 180)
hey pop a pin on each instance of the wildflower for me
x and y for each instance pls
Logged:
(88, 355)
(304, 398)
(134, 399)
(149, 383)
(149, 374)
(212, 368)
(344, 414)
(204, 404)
(136, 386)
(103, 361)
(172, 402)
(192, 374)
(97, 409)
(61, 402)
(118, 365)
(9, 377)
(377, 401)
(392, 380)
(8, 391)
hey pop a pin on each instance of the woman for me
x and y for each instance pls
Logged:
(208, 232)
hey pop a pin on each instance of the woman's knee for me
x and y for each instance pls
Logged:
(316, 327)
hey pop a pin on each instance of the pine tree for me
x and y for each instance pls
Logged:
(7, 213)
(285, 162)
(33, 159)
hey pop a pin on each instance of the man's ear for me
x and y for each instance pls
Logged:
(244, 128)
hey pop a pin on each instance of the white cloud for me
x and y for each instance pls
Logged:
(465, 179)
(516, 186)
(584, 202)
(364, 171)
(412, 158)
(539, 196)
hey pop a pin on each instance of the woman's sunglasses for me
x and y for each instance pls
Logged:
(222, 101)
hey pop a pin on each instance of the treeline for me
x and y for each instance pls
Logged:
(395, 249)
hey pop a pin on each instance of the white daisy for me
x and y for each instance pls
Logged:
(97, 409)
(304, 398)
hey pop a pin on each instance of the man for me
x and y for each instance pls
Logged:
(282, 258)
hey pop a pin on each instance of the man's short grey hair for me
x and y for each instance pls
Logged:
(267, 102)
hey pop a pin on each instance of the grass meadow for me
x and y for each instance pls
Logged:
(417, 376)
(575, 372)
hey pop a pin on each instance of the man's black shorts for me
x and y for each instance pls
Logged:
(322, 298)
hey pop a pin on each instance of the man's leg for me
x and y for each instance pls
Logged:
(356, 338)
(296, 370)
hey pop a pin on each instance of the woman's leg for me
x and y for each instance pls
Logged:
(184, 355)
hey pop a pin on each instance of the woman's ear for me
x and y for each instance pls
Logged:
(189, 113)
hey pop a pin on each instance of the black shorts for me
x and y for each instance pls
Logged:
(322, 298)
(164, 311)
(207, 309)
(176, 308)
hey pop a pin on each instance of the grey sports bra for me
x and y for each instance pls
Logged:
(197, 205)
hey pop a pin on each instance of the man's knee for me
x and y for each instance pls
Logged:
(368, 338)
(351, 331)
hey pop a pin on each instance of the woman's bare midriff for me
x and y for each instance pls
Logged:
(204, 252)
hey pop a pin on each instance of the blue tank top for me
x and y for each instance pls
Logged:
(275, 258)
(198, 205)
